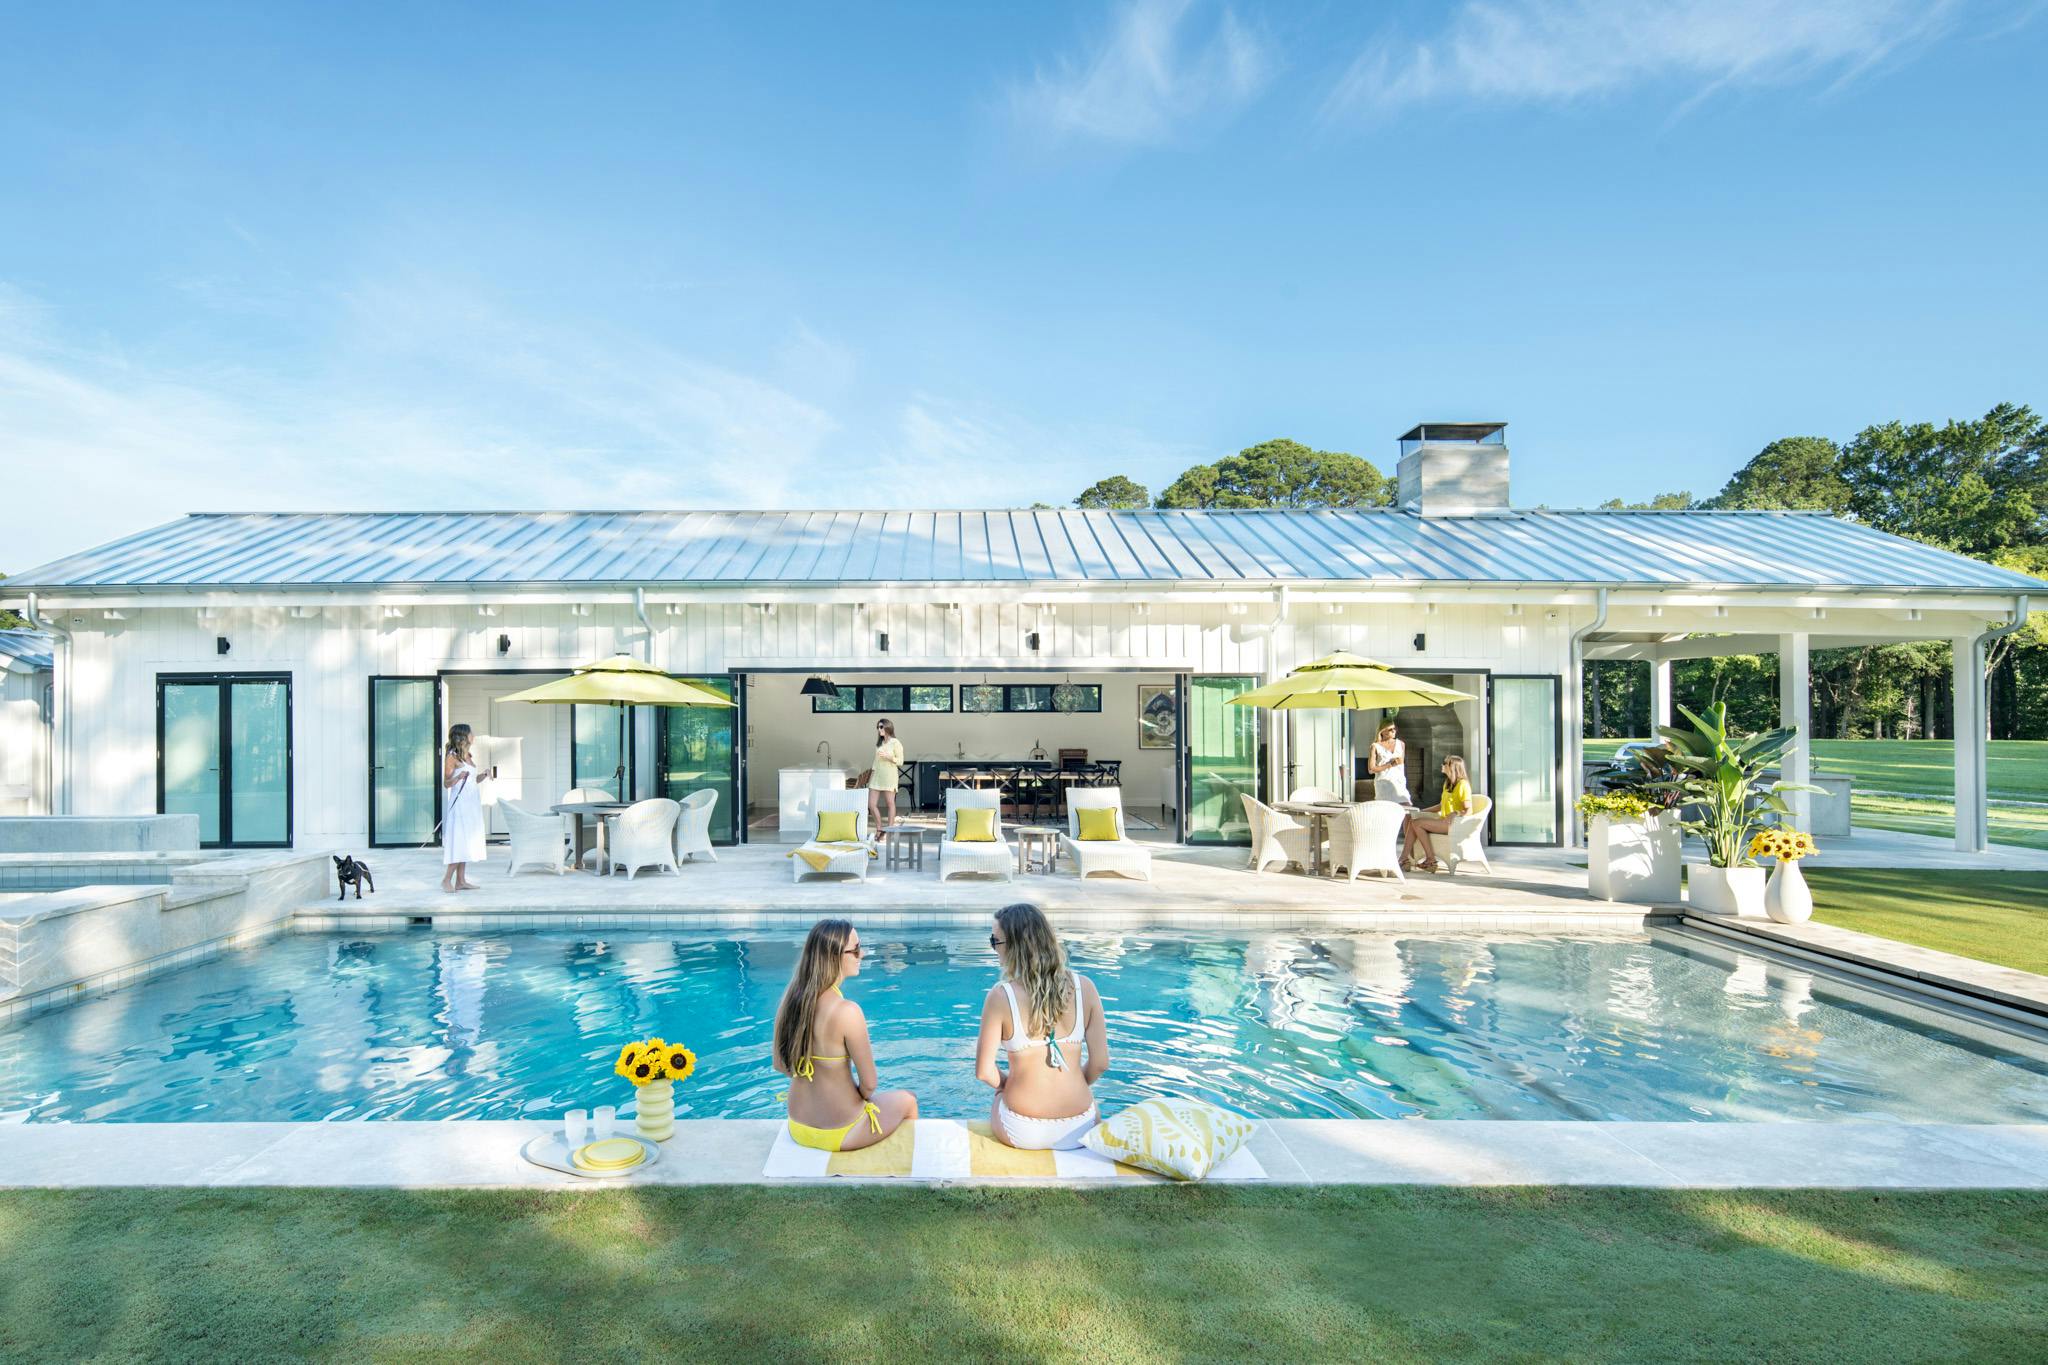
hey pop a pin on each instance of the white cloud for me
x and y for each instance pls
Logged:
(1161, 65)
(1558, 50)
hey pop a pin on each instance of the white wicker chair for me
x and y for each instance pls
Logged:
(1367, 838)
(1276, 836)
(693, 828)
(997, 859)
(1120, 855)
(852, 862)
(1466, 841)
(1313, 794)
(537, 839)
(575, 796)
(644, 835)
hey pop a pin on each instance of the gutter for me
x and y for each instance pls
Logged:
(1577, 746)
(59, 755)
(1979, 740)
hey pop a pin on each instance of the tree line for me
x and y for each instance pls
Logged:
(1976, 487)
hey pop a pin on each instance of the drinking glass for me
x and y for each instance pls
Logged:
(602, 1120)
(576, 1128)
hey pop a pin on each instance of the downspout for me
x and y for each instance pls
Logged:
(59, 756)
(1980, 750)
(1577, 739)
(647, 636)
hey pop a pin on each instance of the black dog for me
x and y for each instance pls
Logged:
(349, 872)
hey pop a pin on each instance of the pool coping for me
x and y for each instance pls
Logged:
(484, 1154)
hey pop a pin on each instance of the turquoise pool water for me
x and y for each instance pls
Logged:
(429, 1025)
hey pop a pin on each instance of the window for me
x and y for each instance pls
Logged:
(931, 697)
(882, 698)
(224, 754)
(847, 700)
(1077, 697)
(981, 697)
(1028, 697)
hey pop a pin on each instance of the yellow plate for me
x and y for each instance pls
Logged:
(610, 1154)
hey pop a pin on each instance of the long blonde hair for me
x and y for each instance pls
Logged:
(817, 971)
(460, 739)
(1036, 964)
(1457, 771)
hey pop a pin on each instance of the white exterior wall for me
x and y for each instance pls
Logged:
(24, 742)
(109, 710)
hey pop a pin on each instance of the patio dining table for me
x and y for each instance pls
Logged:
(599, 812)
(1318, 814)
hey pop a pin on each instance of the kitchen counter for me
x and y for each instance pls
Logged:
(795, 790)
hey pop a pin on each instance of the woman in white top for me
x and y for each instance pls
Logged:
(1039, 1017)
(1388, 764)
(885, 775)
(462, 827)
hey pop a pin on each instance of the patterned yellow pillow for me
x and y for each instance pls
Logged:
(1185, 1139)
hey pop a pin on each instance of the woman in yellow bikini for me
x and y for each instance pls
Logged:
(821, 1044)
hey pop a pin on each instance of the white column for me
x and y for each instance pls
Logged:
(1967, 677)
(1795, 712)
(1660, 694)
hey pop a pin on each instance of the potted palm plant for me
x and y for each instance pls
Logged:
(1720, 779)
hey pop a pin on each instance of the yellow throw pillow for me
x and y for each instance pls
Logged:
(1185, 1139)
(974, 826)
(1097, 823)
(837, 827)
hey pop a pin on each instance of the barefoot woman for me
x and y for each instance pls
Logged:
(1039, 1016)
(821, 1044)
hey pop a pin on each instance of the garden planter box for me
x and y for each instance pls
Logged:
(1737, 891)
(1633, 860)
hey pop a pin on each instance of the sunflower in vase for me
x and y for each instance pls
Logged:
(654, 1065)
(1786, 898)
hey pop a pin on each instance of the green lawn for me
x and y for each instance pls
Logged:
(858, 1275)
(1997, 917)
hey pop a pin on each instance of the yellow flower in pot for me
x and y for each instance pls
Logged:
(654, 1065)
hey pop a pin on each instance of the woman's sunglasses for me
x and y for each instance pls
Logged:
(857, 950)
(994, 942)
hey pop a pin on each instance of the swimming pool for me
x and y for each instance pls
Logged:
(433, 1024)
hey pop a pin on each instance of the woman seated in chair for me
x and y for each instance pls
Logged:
(1416, 850)
(821, 1044)
(1039, 1015)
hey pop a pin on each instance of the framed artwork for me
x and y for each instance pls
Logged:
(1158, 718)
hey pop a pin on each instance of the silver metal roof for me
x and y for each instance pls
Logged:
(1622, 549)
(30, 647)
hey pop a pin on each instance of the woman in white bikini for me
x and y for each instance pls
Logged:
(1040, 1015)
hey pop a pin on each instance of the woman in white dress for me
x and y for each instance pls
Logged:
(462, 828)
(1388, 764)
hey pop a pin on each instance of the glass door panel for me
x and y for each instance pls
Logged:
(697, 753)
(404, 726)
(259, 762)
(1224, 758)
(191, 754)
(1522, 720)
(598, 750)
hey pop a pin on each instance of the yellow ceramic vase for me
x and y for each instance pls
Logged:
(656, 1110)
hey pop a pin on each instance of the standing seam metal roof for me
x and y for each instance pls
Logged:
(1624, 549)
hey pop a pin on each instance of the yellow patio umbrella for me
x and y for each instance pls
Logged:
(1347, 682)
(620, 681)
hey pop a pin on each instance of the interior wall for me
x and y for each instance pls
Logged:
(783, 732)
(543, 773)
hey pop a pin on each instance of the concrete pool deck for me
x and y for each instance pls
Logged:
(466, 1154)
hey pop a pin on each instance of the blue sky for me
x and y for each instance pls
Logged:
(286, 256)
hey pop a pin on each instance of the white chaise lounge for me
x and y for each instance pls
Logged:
(1120, 855)
(837, 857)
(957, 856)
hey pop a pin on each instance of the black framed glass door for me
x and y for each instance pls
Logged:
(699, 750)
(1223, 757)
(224, 754)
(405, 731)
(1524, 745)
(601, 749)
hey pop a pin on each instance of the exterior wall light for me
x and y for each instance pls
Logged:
(504, 644)
(220, 644)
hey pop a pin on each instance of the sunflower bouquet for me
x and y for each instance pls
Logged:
(653, 1065)
(1786, 845)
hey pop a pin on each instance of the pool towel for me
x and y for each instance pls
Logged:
(817, 855)
(947, 1149)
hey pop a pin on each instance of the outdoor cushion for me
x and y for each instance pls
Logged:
(974, 826)
(1096, 823)
(837, 827)
(1184, 1139)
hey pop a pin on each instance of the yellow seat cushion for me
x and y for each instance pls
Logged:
(1184, 1139)
(1096, 823)
(975, 826)
(837, 827)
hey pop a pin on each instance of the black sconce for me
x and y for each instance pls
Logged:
(1031, 642)
(220, 644)
(882, 642)
(1421, 641)
(504, 644)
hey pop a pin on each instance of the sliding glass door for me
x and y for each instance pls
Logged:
(1524, 738)
(224, 754)
(405, 727)
(698, 754)
(601, 749)
(1224, 758)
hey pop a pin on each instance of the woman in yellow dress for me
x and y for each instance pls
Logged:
(884, 776)
(1416, 850)
(821, 1044)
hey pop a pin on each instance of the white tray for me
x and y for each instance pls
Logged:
(551, 1151)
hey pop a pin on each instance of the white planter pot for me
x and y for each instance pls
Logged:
(1737, 891)
(1787, 899)
(1633, 860)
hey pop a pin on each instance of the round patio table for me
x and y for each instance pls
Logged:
(1318, 814)
(599, 812)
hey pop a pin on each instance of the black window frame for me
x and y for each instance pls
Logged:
(225, 682)
(913, 709)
